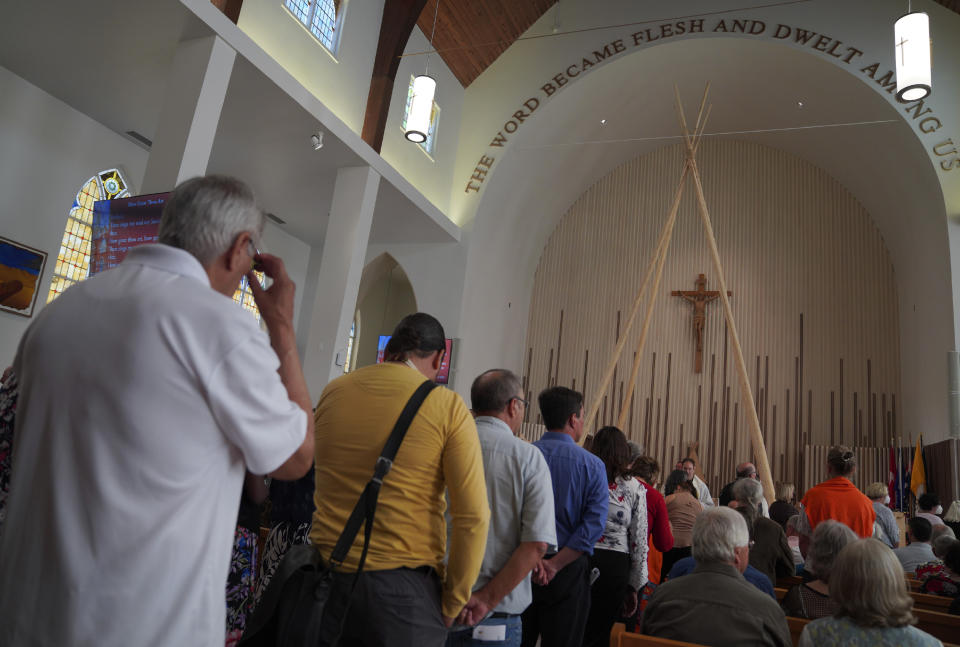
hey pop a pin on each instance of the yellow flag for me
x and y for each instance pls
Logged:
(918, 474)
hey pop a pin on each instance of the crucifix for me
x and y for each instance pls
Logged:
(699, 298)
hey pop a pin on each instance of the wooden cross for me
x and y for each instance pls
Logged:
(699, 298)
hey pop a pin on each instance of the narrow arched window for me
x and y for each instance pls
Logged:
(349, 361)
(73, 261)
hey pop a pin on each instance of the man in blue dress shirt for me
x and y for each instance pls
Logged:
(561, 582)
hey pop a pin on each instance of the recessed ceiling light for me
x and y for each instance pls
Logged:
(603, 121)
(799, 104)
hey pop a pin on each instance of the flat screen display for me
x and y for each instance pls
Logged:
(120, 225)
(443, 377)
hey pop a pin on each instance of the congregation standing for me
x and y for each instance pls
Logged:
(119, 511)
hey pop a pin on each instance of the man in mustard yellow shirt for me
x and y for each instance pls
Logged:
(405, 595)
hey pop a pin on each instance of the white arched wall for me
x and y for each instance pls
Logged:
(385, 296)
(541, 171)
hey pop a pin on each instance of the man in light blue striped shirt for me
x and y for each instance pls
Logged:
(521, 521)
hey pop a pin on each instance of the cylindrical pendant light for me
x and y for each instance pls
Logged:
(421, 105)
(912, 49)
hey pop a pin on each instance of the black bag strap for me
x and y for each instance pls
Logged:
(367, 504)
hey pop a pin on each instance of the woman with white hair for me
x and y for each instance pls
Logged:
(879, 495)
(770, 552)
(873, 604)
(812, 599)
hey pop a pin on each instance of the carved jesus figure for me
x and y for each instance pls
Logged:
(699, 298)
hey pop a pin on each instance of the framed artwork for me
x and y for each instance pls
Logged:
(20, 270)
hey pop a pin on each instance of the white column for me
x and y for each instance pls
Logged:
(196, 89)
(338, 280)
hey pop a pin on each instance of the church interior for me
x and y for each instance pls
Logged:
(529, 218)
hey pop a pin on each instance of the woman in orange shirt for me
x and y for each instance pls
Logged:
(836, 498)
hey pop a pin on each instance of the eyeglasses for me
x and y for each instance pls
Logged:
(519, 399)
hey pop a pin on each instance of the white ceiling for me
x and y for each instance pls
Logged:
(107, 59)
(111, 61)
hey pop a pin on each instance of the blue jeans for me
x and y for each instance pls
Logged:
(464, 638)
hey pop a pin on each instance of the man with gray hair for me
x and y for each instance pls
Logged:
(744, 471)
(714, 605)
(146, 394)
(522, 525)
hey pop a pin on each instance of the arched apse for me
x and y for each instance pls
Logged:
(385, 296)
(814, 298)
(566, 149)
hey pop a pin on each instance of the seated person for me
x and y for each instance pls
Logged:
(873, 605)
(714, 605)
(744, 471)
(769, 552)
(930, 507)
(946, 581)
(812, 599)
(793, 538)
(879, 495)
(752, 575)
(783, 506)
(940, 539)
(918, 550)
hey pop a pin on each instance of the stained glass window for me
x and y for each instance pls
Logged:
(73, 261)
(348, 363)
(244, 295)
(427, 145)
(321, 17)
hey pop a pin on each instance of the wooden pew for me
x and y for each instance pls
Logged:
(796, 628)
(620, 637)
(920, 600)
(939, 603)
(788, 582)
(944, 626)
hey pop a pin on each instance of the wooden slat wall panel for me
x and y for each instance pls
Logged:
(814, 299)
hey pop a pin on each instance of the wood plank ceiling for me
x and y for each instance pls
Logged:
(471, 34)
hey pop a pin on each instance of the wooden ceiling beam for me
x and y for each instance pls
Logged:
(399, 18)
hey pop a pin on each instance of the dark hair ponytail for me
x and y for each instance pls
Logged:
(419, 334)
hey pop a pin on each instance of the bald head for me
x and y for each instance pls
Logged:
(746, 470)
(498, 393)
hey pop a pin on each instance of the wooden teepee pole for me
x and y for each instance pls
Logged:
(753, 422)
(660, 260)
(631, 385)
(591, 413)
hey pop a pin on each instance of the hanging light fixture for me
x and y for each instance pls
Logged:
(912, 48)
(421, 103)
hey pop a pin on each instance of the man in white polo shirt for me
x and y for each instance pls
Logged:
(145, 394)
(522, 525)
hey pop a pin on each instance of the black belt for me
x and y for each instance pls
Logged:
(499, 615)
